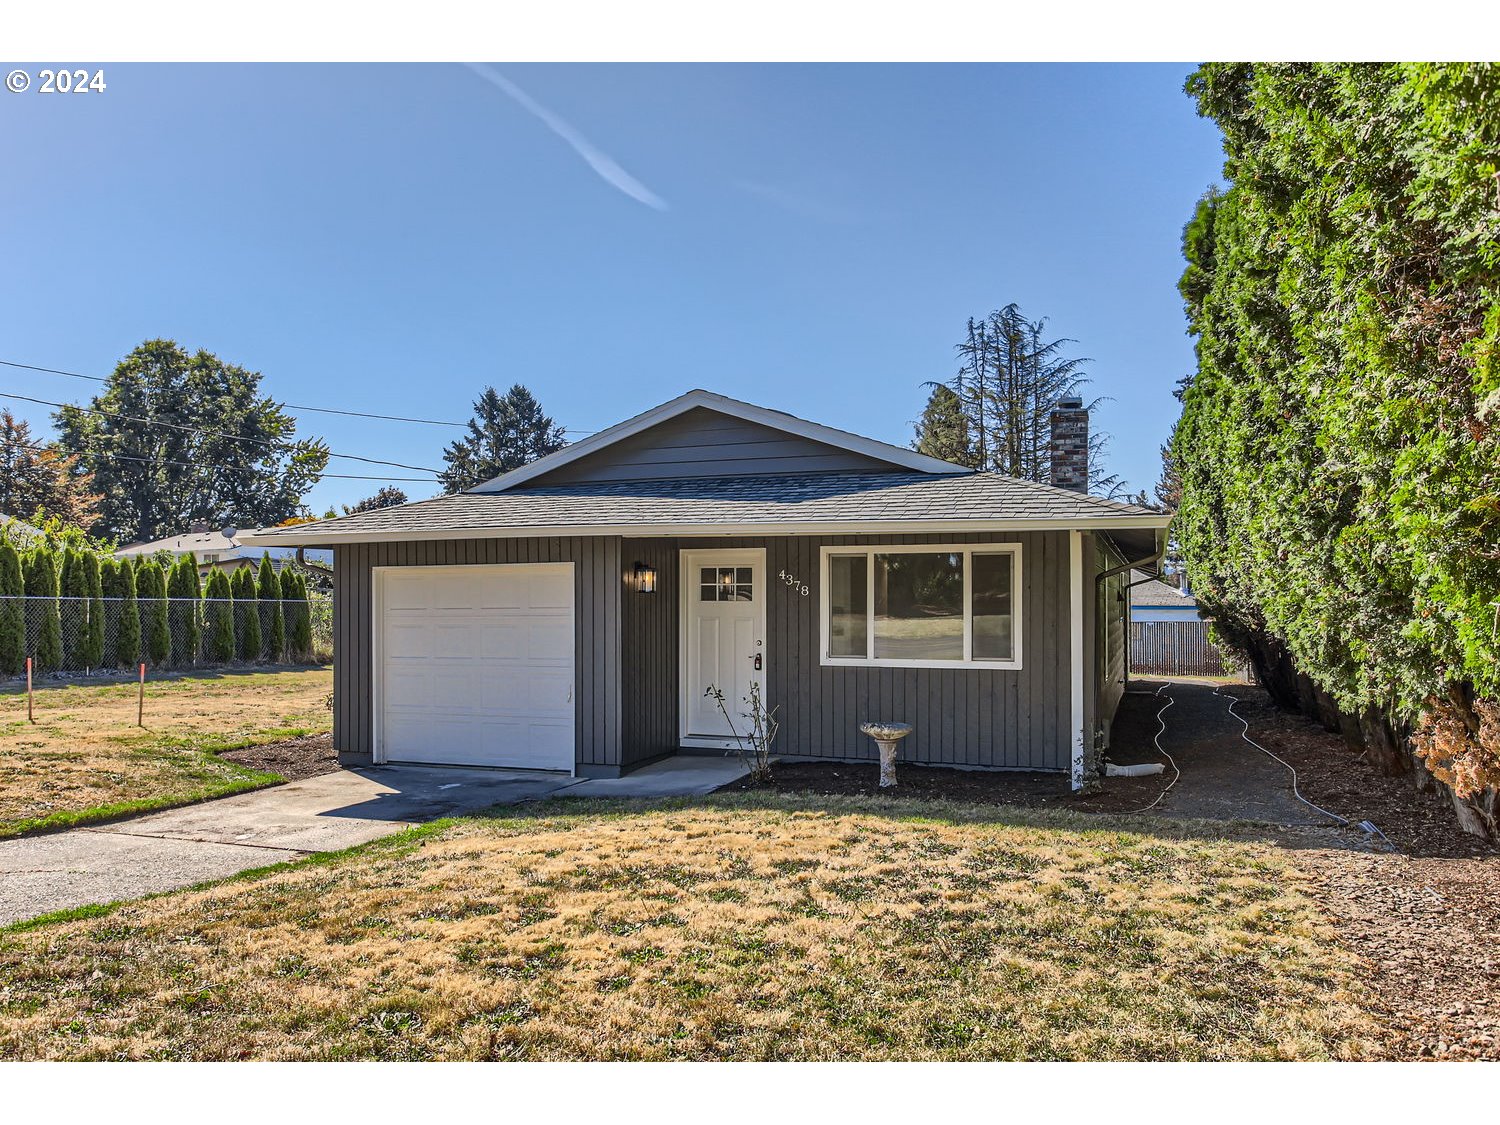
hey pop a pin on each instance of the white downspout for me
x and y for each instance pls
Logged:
(1075, 625)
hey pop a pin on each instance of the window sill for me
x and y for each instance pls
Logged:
(957, 665)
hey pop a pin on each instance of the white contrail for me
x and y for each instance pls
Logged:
(610, 172)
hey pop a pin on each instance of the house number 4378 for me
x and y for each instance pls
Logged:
(793, 582)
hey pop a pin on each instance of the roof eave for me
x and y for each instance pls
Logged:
(291, 537)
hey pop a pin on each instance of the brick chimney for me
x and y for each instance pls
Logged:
(1070, 445)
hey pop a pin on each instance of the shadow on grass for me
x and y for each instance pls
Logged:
(158, 676)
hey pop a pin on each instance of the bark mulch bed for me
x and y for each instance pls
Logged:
(292, 758)
(1425, 918)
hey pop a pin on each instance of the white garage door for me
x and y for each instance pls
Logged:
(476, 665)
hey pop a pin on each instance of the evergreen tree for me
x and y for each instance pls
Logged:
(218, 618)
(118, 581)
(298, 619)
(273, 621)
(505, 433)
(40, 577)
(246, 614)
(156, 622)
(387, 497)
(1338, 454)
(943, 431)
(184, 594)
(93, 634)
(75, 608)
(12, 611)
(1010, 378)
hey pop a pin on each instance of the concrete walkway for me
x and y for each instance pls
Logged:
(1223, 777)
(177, 848)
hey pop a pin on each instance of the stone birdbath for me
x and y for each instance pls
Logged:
(887, 736)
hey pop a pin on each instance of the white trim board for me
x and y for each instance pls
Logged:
(967, 550)
(1076, 680)
(688, 557)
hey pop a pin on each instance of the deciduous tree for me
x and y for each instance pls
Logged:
(176, 437)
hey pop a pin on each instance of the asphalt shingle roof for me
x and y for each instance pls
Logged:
(1158, 593)
(819, 498)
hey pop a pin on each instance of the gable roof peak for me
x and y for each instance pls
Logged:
(735, 408)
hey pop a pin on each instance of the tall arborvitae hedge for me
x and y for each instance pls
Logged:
(40, 576)
(117, 578)
(156, 622)
(246, 613)
(184, 602)
(73, 586)
(272, 620)
(298, 619)
(12, 611)
(218, 618)
(1339, 444)
(93, 630)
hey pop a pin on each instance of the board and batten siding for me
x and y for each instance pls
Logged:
(627, 663)
(1013, 719)
(706, 443)
(596, 630)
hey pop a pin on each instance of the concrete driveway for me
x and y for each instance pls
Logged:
(180, 847)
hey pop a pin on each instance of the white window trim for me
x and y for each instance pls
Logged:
(967, 550)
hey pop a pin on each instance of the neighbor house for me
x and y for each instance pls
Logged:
(1151, 599)
(227, 549)
(18, 532)
(574, 613)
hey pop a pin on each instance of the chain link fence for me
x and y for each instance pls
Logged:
(79, 635)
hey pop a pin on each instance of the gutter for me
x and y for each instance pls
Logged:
(290, 537)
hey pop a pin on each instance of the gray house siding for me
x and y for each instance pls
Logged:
(705, 443)
(627, 664)
(1016, 719)
(597, 609)
(648, 644)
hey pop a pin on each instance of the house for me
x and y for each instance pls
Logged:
(1154, 600)
(572, 614)
(19, 532)
(226, 551)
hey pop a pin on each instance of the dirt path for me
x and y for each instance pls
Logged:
(1423, 913)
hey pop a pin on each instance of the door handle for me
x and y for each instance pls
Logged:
(756, 658)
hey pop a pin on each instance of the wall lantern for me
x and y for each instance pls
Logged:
(645, 578)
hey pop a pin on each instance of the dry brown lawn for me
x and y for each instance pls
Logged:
(85, 759)
(756, 927)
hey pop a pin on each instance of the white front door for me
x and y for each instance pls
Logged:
(723, 641)
(475, 665)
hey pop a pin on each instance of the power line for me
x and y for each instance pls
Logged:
(285, 405)
(204, 464)
(210, 433)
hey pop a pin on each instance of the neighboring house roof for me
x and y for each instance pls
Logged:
(1158, 593)
(197, 543)
(20, 531)
(893, 455)
(847, 502)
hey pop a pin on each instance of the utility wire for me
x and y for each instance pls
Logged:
(210, 433)
(204, 464)
(285, 405)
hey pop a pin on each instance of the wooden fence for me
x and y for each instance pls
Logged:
(1175, 648)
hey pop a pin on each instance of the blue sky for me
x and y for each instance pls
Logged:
(394, 238)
